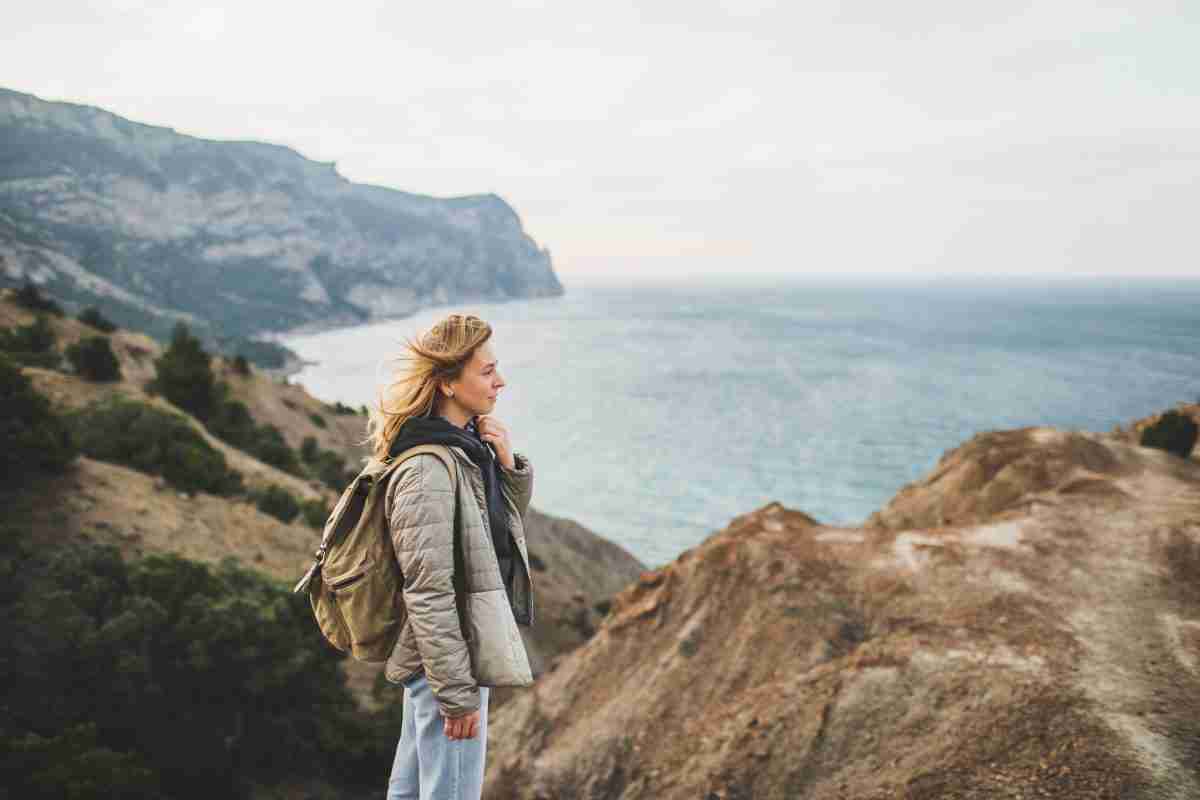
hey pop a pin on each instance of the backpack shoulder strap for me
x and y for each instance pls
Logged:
(439, 450)
(382, 470)
(459, 575)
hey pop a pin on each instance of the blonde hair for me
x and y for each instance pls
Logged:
(438, 356)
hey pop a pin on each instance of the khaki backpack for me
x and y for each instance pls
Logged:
(355, 585)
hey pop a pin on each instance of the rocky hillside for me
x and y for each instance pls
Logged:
(1023, 623)
(576, 571)
(237, 238)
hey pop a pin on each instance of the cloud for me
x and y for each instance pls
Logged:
(667, 137)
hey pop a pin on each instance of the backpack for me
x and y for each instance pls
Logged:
(354, 584)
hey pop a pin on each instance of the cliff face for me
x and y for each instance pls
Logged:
(1028, 624)
(245, 236)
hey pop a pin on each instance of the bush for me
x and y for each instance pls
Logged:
(157, 442)
(331, 470)
(278, 502)
(92, 316)
(270, 447)
(29, 296)
(340, 408)
(240, 365)
(168, 678)
(1174, 432)
(309, 450)
(184, 375)
(32, 344)
(234, 424)
(33, 439)
(316, 513)
(94, 359)
(317, 420)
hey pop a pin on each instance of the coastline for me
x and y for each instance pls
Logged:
(294, 364)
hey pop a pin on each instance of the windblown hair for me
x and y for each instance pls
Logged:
(438, 356)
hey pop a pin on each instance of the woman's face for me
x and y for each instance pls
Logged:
(476, 390)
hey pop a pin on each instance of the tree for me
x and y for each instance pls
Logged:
(94, 359)
(33, 439)
(31, 297)
(1174, 432)
(167, 678)
(32, 344)
(184, 375)
(92, 316)
(240, 365)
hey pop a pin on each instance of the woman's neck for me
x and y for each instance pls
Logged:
(455, 414)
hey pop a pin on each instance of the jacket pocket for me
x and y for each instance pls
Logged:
(498, 656)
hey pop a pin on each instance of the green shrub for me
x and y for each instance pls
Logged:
(1174, 432)
(234, 424)
(93, 359)
(92, 316)
(29, 296)
(271, 448)
(184, 375)
(33, 439)
(331, 470)
(240, 365)
(316, 513)
(309, 450)
(32, 344)
(340, 408)
(278, 502)
(168, 678)
(318, 420)
(158, 442)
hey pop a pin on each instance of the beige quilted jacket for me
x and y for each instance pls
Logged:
(420, 509)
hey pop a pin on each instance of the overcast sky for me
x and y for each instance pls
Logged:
(656, 139)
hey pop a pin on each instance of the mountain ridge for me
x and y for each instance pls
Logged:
(239, 237)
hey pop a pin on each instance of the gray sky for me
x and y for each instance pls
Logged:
(655, 139)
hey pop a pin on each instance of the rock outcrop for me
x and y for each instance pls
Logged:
(236, 238)
(1023, 623)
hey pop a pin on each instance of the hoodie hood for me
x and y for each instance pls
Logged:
(439, 430)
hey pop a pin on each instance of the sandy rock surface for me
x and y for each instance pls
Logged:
(1023, 623)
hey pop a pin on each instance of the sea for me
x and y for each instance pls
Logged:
(654, 413)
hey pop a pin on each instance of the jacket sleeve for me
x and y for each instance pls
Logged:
(517, 483)
(420, 519)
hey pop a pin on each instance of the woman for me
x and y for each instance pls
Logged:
(446, 658)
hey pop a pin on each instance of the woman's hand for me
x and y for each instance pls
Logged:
(464, 727)
(492, 431)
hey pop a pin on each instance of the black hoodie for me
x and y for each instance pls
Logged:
(439, 430)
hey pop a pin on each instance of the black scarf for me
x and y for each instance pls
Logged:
(438, 430)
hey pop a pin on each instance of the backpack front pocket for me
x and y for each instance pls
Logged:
(355, 600)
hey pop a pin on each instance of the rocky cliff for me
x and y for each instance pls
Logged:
(237, 238)
(1025, 622)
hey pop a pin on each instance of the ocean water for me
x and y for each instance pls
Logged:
(655, 414)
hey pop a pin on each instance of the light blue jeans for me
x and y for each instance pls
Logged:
(429, 765)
